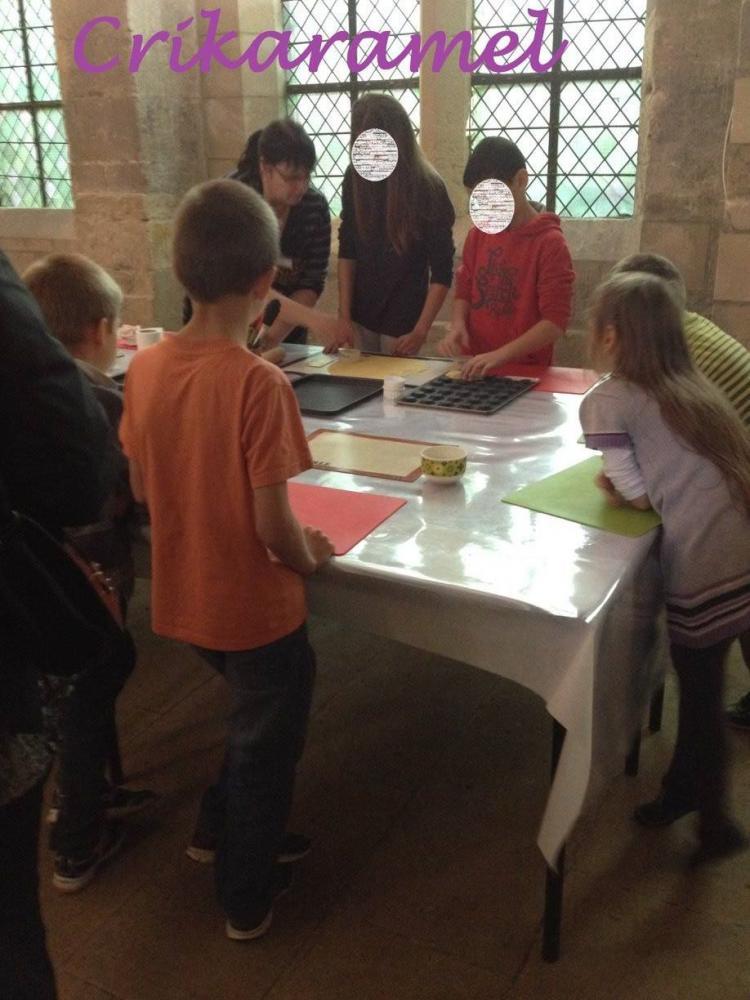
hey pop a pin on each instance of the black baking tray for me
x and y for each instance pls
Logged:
(324, 395)
(484, 396)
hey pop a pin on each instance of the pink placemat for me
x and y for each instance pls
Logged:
(344, 516)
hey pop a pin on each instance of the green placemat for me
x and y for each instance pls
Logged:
(572, 494)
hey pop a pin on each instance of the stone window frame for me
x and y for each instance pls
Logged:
(557, 78)
(33, 107)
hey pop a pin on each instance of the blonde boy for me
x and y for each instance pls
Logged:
(81, 304)
(213, 434)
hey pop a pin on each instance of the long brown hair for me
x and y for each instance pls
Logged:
(397, 205)
(650, 350)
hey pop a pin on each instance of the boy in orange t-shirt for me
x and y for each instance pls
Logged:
(213, 433)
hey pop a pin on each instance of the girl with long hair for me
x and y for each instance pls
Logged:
(672, 441)
(395, 241)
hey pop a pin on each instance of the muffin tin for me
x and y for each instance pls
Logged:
(483, 396)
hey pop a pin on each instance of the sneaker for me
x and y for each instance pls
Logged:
(73, 874)
(738, 715)
(294, 847)
(118, 802)
(663, 810)
(729, 839)
(256, 925)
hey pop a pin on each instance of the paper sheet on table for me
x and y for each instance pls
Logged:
(366, 455)
(378, 367)
(554, 379)
(572, 494)
(344, 516)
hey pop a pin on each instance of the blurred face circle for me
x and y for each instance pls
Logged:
(374, 154)
(491, 206)
(284, 183)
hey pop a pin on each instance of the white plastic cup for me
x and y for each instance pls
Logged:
(147, 336)
(393, 386)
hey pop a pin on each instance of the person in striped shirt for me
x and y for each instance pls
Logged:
(726, 363)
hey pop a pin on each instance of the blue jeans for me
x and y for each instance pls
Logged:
(246, 811)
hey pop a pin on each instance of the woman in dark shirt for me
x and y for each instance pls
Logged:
(396, 240)
(277, 162)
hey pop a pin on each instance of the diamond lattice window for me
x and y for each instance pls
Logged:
(322, 101)
(578, 124)
(34, 169)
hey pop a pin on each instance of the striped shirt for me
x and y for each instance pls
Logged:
(722, 359)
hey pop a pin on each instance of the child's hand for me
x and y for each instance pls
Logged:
(478, 366)
(319, 544)
(605, 484)
(410, 343)
(456, 342)
(338, 333)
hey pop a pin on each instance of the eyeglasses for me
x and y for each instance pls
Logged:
(299, 178)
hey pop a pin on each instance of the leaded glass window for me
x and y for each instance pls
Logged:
(577, 125)
(322, 102)
(34, 168)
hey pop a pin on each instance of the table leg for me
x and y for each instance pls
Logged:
(657, 707)
(553, 893)
(633, 758)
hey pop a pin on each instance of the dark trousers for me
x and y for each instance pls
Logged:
(698, 771)
(87, 728)
(247, 810)
(298, 335)
(25, 969)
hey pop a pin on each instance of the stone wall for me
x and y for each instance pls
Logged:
(138, 141)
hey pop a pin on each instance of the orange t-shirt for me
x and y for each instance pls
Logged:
(208, 422)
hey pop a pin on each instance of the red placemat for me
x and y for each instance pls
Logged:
(344, 516)
(553, 379)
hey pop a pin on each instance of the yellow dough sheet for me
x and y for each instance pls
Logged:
(368, 456)
(378, 367)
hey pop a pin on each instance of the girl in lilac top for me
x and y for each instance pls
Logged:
(671, 441)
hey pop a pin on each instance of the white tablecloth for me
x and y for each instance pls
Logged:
(565, 610)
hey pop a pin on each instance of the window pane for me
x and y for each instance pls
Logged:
(14, 86)
(521, 113)
(11, 48)
(598, 148)
(59, 193)
(604, 35)
(9, 15)
(324, 18)
(20, 192)
(401, 19)
(327, 119)
(45, 83)
(494, 16)
(38, 13)
(41, 46)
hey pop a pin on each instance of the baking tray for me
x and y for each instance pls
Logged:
(483, 396)
(325, 395)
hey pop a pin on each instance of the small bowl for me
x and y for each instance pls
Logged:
(443, 463)
(350, 353)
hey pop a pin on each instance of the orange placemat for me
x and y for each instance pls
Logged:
(344, 516)
(367, 455)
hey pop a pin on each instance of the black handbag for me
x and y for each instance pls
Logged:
(51, 610)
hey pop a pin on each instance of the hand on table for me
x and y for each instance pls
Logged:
(482, 364)
(605, 484)
(338, 333)
(455, 343)
(410, 343)
(319, 544)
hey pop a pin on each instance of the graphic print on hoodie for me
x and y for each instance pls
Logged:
(514, 279)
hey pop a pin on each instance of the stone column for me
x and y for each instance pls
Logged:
(445, 98)
(732, 285)
(688, 79)
(136, 145)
